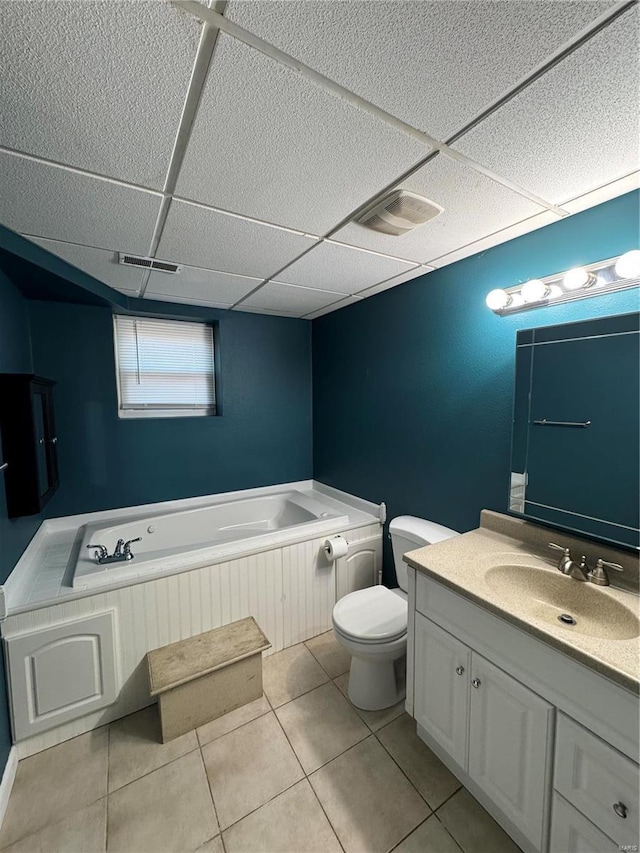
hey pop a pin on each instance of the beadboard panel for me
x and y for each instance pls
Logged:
(289, 591)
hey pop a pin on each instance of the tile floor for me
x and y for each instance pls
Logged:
(298, 770)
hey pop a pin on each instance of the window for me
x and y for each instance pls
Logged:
(164, 368)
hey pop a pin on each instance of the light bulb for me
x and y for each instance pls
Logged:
(534, 290)
(498, 299)
(575, 279)
(516, 300)
(628, 265)
(554, 291)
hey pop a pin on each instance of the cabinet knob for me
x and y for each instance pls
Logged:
(41, 441)
(620, 809)
(476, 682)
(54, 440)
(460, 670)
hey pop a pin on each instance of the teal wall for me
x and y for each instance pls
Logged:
(413, 387)
(262, 437)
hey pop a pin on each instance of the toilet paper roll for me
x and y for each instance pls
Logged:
(335, 548)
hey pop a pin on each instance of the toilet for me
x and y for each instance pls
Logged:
(371, 624)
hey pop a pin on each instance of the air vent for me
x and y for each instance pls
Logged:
(398, 212)
(148, 263)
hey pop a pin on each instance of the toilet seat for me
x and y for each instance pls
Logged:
(372, 615)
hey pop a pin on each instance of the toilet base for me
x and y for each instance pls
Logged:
(374, 686)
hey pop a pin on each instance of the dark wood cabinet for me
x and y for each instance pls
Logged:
(29, 442)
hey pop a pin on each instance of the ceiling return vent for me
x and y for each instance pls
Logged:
(399, 211)
(148, 263)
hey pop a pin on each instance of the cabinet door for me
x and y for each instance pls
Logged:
(441, 685)
(571, 832)
(509, 750)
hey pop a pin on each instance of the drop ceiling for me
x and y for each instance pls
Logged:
(244, 147)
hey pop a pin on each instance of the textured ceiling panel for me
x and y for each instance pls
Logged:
(201, 285)
(100, 263)
(48, 201)
(271, 145)
(498, 237)
(341, 269)
(96, 85)
(605, 193)
(205, 238)
(576, 127)
(434, 64)
(185, 300)
(474, 206)
(287, 297)
(416, 272)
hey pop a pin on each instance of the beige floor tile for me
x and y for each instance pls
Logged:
(472, 827)
(293, 822)
(429, 775)
(54, 783)
(84, 831)
(233, 720)
(368, 800)
(331, 656)
(290, 673)
(167, 810)
(248, 767)
(374, 719)
(135, 748)
(429, 837)
(321, 725)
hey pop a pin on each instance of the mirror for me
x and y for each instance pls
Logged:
(575, 455)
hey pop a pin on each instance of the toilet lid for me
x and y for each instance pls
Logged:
(375, 614)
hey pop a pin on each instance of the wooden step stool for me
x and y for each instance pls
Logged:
(201, 678)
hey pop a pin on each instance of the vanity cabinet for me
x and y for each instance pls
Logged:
(546, 744)
(493, 726)
(29, 442)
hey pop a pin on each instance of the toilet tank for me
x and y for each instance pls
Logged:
(407, 533)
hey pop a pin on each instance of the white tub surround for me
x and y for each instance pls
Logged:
(283, 579)
(539, 723)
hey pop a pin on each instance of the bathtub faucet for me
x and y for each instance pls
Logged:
(122, 552)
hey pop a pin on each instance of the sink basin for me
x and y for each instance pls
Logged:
(547, 595)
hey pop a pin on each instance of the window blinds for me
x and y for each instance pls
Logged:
(164, 366)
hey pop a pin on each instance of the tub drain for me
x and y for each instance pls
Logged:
(566, 619)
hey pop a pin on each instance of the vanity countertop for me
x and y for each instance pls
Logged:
(463, 564)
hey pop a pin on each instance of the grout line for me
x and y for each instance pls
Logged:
(451, 796)
(455, 841)
(213, 802)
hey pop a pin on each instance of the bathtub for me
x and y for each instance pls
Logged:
(202, 534)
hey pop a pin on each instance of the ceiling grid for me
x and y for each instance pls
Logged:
(264, 129)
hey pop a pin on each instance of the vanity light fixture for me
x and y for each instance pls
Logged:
(577, 283)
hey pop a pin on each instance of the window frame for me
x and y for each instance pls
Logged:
(144, 413)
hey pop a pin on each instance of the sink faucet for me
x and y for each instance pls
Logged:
(567, 566)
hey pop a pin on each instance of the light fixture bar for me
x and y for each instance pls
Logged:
(608, 276)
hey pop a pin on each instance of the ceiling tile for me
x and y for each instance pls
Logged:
(269, 144)
(100, 263)
(575, 128)
(349, 300)
(201, 285)
(49, 201)
(331, 266)
(498, 237)
(97, 85)
(249, 310)
(604, 193)
(416, 272)
(474, 206)
(434, 64)
(206, 238)
(290, 298)
(185, 300)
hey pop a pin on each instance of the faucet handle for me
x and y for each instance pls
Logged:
(601, 563)
(100, 553)
(127, 545)
(118, 549)
(562, 548)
